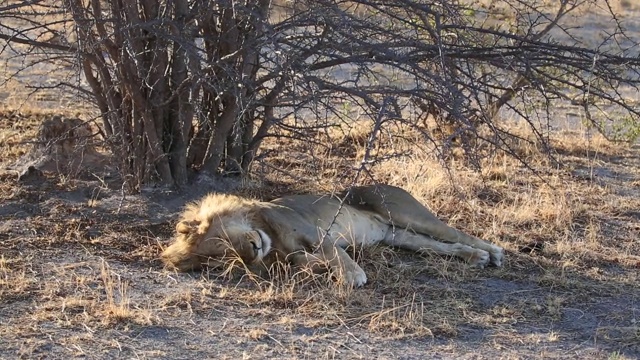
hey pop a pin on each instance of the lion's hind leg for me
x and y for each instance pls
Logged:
(440, 230)
(400, 209)
(409, 240)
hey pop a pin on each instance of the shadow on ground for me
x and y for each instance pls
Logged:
(80, 277)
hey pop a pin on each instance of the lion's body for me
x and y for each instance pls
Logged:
(313, 231)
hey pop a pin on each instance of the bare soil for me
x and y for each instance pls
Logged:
(80, 275)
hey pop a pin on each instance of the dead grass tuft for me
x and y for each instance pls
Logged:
(116, 307)
(16, 278)
(399, 320)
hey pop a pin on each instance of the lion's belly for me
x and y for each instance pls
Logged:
(356, 228)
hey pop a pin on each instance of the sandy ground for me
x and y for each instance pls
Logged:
(80, 278)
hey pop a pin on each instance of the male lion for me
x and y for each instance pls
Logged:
(311, 230)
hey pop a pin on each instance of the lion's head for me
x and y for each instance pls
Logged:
(214, 231)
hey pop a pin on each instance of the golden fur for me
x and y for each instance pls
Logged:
(311, 230)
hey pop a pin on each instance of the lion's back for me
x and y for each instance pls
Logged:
(345, 223)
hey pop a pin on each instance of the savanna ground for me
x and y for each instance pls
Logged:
(80, 276)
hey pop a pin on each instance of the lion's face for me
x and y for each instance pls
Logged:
(215, 244)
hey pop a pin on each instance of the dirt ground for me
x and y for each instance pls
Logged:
(80, 275)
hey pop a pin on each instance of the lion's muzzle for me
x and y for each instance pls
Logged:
(261, 243)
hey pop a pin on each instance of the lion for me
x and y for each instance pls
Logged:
(313, 231)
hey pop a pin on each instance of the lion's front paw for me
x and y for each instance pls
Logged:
(479, 259)
(497, 255)
(355, 277)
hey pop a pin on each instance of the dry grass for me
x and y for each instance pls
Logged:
(620, 7)
(15, 279)
(80, 278)
(570, 210)
(90, 273)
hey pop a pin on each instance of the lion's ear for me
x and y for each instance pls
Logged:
(187, 226)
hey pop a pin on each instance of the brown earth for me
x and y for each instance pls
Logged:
(79, 274)
(80, 277)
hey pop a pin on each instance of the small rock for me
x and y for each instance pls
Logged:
(31, 175)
